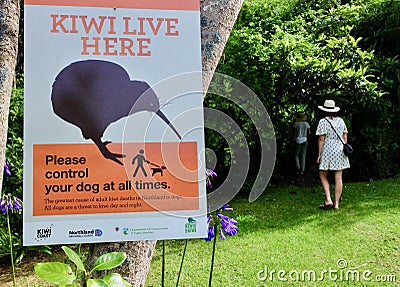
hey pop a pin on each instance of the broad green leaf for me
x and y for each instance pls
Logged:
(55, 272)
(96, 283)
(74, 258)
(108, 261)
(116, 280)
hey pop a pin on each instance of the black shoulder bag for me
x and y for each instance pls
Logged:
(347, 149)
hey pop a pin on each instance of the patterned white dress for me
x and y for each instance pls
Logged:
(332, 156)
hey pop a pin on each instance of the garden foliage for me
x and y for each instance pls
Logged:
(12, 182)
(62, 274)
(296, 54)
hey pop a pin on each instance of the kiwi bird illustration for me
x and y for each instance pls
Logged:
(92, 94)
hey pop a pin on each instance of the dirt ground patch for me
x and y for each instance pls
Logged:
(25, 275)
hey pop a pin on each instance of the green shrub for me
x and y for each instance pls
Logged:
(296, 54)
(12, 185)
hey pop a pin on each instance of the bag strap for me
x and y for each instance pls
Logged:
(335, 131)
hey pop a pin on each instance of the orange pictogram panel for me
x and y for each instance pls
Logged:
(77, 179)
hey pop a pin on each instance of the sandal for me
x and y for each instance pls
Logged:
(326, 206)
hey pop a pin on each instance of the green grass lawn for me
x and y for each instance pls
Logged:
(285, 231)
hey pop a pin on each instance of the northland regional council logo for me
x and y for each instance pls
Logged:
(85, 233)
(190, 226)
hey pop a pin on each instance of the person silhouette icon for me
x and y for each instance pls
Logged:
(140, 160)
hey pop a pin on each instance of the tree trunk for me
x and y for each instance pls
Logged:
(217, 19)
(9, 27)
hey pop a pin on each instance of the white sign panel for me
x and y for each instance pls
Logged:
(114, 135)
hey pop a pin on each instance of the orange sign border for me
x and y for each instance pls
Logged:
(193, 5)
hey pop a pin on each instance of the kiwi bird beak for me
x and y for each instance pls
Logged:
(166, 120)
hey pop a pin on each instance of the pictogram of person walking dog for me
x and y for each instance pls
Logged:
(140, 159)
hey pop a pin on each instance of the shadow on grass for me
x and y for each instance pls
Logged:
(285, 230)
(294, 206)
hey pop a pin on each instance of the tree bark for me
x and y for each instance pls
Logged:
(9, 28)
(217, 19)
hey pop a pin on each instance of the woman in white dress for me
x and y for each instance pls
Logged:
(330, 152)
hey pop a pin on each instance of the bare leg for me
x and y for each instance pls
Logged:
(323, 176)
(338, 187)
(303, 154)
(297, 156)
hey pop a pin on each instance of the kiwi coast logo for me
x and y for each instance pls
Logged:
(190, 226)
(44, 233)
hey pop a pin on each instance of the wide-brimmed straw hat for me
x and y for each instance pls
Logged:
(329, 106)
(300, 117)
